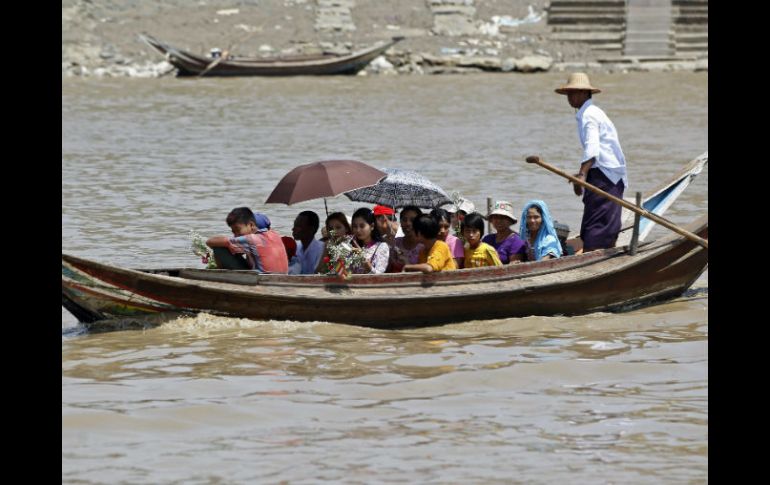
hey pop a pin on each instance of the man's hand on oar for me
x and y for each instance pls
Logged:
(577, 188)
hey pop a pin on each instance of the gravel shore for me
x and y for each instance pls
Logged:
(100, 37)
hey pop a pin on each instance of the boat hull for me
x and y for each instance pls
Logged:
(189, 64)
(606, 280)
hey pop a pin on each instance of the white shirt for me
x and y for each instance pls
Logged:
(600, 141)
(309, 257)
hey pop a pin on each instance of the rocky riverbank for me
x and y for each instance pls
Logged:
(100, 37)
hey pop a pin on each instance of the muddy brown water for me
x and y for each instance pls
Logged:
(604, 397)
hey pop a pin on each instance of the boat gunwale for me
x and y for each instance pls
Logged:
(325, 283)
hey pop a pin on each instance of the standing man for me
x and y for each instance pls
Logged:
(603, 165)
(309, 248)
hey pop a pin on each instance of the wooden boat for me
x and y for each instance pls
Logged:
(604, 280)
(189, 64)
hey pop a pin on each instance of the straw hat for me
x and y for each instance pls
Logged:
(577, 81)
(503, 208)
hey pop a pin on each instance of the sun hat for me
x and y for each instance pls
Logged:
(463, 204)
(383, 210)
(577, 81)
(263, 222)
(503, 208)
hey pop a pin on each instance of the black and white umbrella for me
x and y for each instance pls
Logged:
(401, 188)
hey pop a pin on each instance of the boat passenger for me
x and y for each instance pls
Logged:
(458, 210)
(253, 246)
(509, 246)
(295, 265)
(435, 255)
(406, 249)
(477, 253)
(368, 240)
(337, 227)
(540, 236)
(602, 165)
(456, 248)
(309, 249)
(387, 224)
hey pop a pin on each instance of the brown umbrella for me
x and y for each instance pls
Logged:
(327, 178)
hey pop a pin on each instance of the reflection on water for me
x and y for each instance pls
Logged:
(598, 398)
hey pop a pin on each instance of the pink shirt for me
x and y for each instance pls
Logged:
(455, 244)
(265, 251)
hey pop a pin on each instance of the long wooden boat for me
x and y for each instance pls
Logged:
(189, 64)
(604, 280)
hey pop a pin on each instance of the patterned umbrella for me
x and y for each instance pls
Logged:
(401, 188)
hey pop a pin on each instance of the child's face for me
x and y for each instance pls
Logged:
(243, 229)
(443, 229)
(338, 227)
(472, 236)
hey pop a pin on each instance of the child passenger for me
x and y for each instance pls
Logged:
(444, 220)
(477, 253)
(435, 255)
(253, 239)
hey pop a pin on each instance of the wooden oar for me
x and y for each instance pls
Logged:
(643, 212)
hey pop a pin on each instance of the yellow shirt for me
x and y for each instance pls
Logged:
(483, 255)
(439, 258)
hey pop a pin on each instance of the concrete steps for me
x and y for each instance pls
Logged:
(640, 29)
(648, 28)
(690, 25)
(589, 37)
(598, 23)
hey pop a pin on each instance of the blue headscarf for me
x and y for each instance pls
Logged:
(547, 241)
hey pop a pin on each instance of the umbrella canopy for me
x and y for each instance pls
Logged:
(401, 188)
(326, 178)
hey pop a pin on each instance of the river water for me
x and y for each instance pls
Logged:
(606, 398)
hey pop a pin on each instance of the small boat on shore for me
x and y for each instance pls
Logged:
(189, 64)
(604, 280)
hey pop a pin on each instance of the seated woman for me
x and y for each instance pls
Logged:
(539, 233)
(435, 254)
(367, 240)
(406, 249)
(477, 253)
(509, 246)
(336, 224)
(456, 248)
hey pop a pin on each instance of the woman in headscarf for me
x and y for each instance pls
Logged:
(538, 233)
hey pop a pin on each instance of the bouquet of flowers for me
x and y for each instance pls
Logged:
(456, 199)
(343, 257)
(199, 248)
